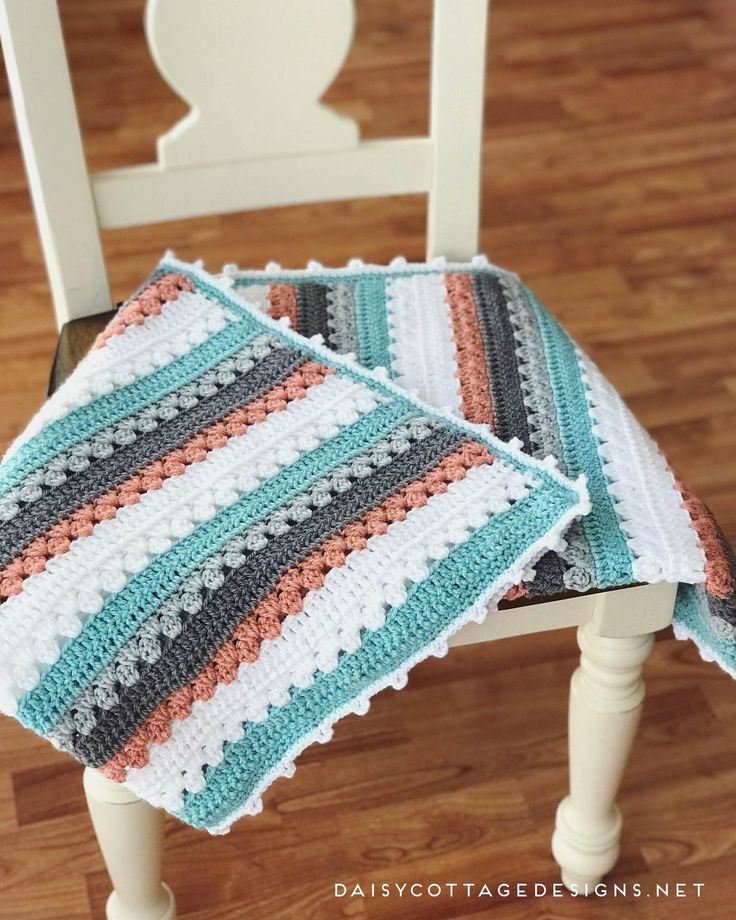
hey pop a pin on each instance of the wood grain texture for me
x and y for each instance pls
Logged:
(610, 156)
(75, 340)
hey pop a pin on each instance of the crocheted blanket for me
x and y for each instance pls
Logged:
(473, 340)
(218, 538)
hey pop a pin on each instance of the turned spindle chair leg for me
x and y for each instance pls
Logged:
(606, 697)
(130, 834)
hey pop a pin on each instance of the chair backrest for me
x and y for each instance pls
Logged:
(256, 135)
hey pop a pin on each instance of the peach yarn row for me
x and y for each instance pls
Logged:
(718, 575)
(472, 373)
(282, 299)
(148, 303)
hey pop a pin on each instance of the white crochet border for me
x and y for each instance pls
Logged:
(359, 267)
(704, 650)
(512, 449)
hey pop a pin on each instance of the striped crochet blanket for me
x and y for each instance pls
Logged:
(218, 538)
(473, 340)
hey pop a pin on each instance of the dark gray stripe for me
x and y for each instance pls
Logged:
(311, 300)
(129, 428)
(549, 578)
(722, 610)
(224, 608)
(500, 348)
(103, 475)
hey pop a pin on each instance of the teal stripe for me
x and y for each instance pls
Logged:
(103, 634)
(452, 586)
(612, 556)
(371, 321)
(691, 610)
(85, 421)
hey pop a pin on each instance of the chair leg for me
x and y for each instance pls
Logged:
(606, 697)
(130, 834)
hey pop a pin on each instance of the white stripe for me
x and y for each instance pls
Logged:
(254, 295)
(53, 605)
(423, 352)
(181, 325)
(353, 597)
(658, 529)
(274, 273)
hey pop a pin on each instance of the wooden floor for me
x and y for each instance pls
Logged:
(611, 187)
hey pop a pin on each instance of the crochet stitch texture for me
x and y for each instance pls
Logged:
(217, 537)
(473, 340)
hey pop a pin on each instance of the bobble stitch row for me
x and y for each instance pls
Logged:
(149, 302)
(477, 403)
(317, 634)
(60, 612)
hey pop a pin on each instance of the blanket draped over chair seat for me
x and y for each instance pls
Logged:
(264, 496)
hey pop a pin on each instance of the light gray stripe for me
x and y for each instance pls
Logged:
(535, 383)
(541, 414)
(342, 334)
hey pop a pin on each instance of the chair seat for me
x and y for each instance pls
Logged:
(472, 339)
(75, 340)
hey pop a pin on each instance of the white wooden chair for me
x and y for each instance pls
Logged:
(302, 151)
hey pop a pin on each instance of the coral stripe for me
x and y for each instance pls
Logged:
(287, 598)
(515, 593)
(58, 539)
(719, 579)
(471, 357)
(149, 302)
(282, 298)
